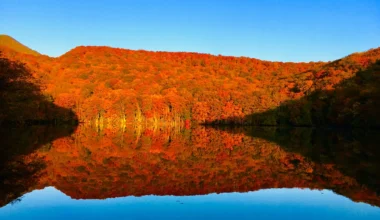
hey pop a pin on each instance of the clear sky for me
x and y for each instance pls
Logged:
(284, 30)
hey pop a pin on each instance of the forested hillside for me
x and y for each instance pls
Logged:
(111, 87)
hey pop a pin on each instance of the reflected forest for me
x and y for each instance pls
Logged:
(102, 122)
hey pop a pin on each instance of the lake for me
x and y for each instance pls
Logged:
(174, 173)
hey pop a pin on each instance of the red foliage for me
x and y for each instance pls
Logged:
(165, 87)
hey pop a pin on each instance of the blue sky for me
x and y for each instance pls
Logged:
(271, 30)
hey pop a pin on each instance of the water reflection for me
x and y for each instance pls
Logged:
(354, 152)
(263, 204)
(135, 162)
(20, 167)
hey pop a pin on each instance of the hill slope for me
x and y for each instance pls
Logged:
(110, 87)
(10, 42)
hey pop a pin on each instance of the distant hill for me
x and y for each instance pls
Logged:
(13, 44)
(113, 86)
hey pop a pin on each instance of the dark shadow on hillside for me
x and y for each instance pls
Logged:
(22, 101)
(354, 102)
(22, 107)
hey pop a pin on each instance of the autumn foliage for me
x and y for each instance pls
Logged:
(111, 87)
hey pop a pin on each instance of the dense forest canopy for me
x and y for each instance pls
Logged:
(111, 87)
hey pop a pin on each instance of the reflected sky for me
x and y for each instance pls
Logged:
(50, 203)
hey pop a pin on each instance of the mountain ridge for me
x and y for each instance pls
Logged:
(82, 48)
(5, 40)
(10, 42)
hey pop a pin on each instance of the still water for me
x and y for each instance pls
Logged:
(204, 172)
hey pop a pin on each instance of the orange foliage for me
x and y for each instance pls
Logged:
(124, 86)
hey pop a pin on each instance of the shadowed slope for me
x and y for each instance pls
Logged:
(21, 99)
(354, 102)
